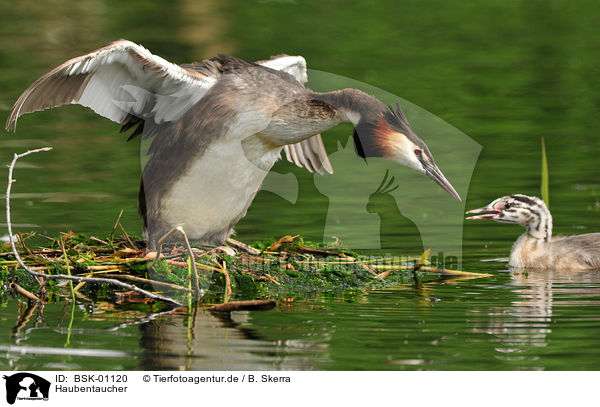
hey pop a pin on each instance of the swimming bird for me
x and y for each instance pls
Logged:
(218, 126)
(537, 248)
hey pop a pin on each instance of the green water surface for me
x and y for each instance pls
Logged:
(502, 73)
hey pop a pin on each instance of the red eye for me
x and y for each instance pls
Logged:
(418, 153)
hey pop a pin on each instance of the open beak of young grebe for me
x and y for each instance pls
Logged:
(487, 212)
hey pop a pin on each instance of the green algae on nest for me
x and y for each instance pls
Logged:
(285, 266)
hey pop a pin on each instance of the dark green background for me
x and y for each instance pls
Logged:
(505, 73)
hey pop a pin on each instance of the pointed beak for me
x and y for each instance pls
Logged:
(487, 213)
(436, 175)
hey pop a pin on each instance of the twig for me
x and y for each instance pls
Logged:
(192, 260)
(95, 239)
(78, 286)
(382, 260)
(280, 242)
(453, 272)
(109, 270)
(22, 241)
(46, 237)
(106, 267)
(61, 242)
(242, 246)
(184, 264)
(127, 237)
(257, 305)
(146, 280)
(102, 280)
(319, 251)
(62, 276)
(110, 237)
(23, 292)
(272, 279)
(383, 275)
(393, 266)
(162, 240)
(366, 267)
(223, 270)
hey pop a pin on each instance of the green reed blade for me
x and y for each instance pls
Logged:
(544, 184)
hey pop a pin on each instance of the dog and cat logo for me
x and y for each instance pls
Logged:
(26, 386)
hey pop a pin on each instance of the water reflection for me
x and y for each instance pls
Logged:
(34, 309)
(538, 320)
(217, 341)
(542, 297)
(78, 336)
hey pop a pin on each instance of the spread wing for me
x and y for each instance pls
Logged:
(127, 84)
(118, 81)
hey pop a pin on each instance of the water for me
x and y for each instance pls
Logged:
(503, 73)
(537, 322)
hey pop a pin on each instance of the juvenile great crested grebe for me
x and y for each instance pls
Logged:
(536, 248)
(218, 126)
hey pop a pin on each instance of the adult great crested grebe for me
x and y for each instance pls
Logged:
(218, 126)
(536, 248)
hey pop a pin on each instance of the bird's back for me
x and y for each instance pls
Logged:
(223, 64)
(580, 251)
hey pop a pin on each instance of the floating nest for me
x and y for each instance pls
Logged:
(272, 268)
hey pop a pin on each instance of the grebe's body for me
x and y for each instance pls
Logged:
(537, 248)
(218, 126)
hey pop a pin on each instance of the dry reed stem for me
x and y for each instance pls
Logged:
(257, 305)
(194, 270)
(149, 281)
(95, 239)
(223, 270)
(117, 223)
(24, 292)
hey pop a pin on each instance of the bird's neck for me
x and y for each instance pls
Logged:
(540, 224)
(353, 105)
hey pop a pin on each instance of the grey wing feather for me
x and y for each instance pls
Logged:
(309, 153)
(118, 81)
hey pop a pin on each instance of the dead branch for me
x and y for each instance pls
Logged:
(223, 270)
(319, 251)
(62, 276)
(146, 280)
(236, 244)
(194, 270)
(254, 305)
(95, 239)
(23, 292)
(110, 237)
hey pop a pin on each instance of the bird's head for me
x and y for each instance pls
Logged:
(387, 134)
(519, 209)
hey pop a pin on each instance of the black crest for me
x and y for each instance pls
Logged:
(396, 118)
